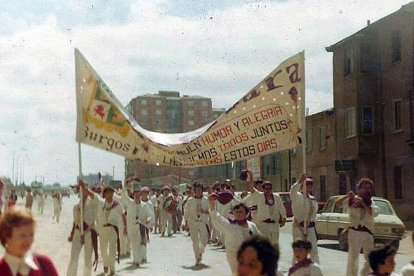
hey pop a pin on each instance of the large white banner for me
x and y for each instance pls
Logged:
(265, 120)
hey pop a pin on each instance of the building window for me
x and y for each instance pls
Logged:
(190, 103)
(143, 102)
(144, 112)
(366, 59)
(204, 103)
(350, 125)
(397, 183)
(323, 192)
(396, 46)
(158, 112)
(190, 113)
(347, 62)
(397, 115)
(158, 102)
(322, 138)
(309, 139)
(190, 122)
(367, 120)
(204, 113)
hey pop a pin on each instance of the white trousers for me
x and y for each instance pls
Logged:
(298, 235)
(75, 252)
(269, 231)
(56, 212)
(166, 222)
(138, 249)
(356, 241)
(199, 236)
(123, 240)
(232, 260)
(107, 241)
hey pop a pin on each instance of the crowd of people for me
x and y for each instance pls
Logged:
(112, 224)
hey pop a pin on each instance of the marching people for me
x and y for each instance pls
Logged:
(196, 221)
(258, 256)
(382, 261)
(1, 196)
(29, 199)
(303, 266)
(89, 240)
(235, 230)
(362, 210)
(165, 199)
(17, 230)
(154, 198)
(110, 213)
(57, 205)
(138, 220)
(408, 269)
(270, 212)
(304, 209)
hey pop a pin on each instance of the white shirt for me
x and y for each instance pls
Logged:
(90, 211)
(358, 216)
(303, 208)
(234, 233)
(264, 211)
(137, 212)
(312, 270)
(407, 270)
(21, 265)
(108, 213)
(195, 209)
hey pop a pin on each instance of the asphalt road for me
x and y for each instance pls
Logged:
(174, 255)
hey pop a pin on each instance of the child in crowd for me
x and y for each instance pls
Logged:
(382, 261)
(303, 265)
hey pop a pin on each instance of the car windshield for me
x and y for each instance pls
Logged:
(383, 207)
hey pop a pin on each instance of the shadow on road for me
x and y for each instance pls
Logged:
(196, 267)
(330, 246)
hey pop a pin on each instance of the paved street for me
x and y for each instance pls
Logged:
(174, 255)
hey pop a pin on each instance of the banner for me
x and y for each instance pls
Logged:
(266, 120)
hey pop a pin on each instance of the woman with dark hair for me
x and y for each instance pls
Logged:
(17, 228)
(257, 256)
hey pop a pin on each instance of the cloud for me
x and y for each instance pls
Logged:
(138, 47)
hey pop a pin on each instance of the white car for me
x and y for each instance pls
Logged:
(331, 222)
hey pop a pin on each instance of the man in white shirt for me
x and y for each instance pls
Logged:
(236, 230)
(304, 209)
(110, 212)
(196, 220)
(362, 210)
(270, 212)
(138, 220)
(90, 213)
(57, 205)
(145, 191)
(166, 216)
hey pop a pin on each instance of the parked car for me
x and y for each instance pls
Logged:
(287, 202)
(332, 221)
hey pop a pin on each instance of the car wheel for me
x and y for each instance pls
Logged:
(343, 239)
(395, 244)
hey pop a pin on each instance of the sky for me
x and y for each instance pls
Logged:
(218, 49)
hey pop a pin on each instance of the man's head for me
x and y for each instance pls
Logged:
(267, 187)
(301, 249)
(145, 191)
(309, 185)
(240, 211)
(166, 190)
(108, 193)
(382, 261)
(198, 189)
(365, 187)
(137, 195)
(174, 190)
(258, 184)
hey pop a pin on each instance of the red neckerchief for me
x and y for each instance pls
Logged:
(297, 266)
(240, 222)
(267, 201)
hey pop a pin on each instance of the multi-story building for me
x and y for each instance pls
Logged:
(373, 77)
(167, 112)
